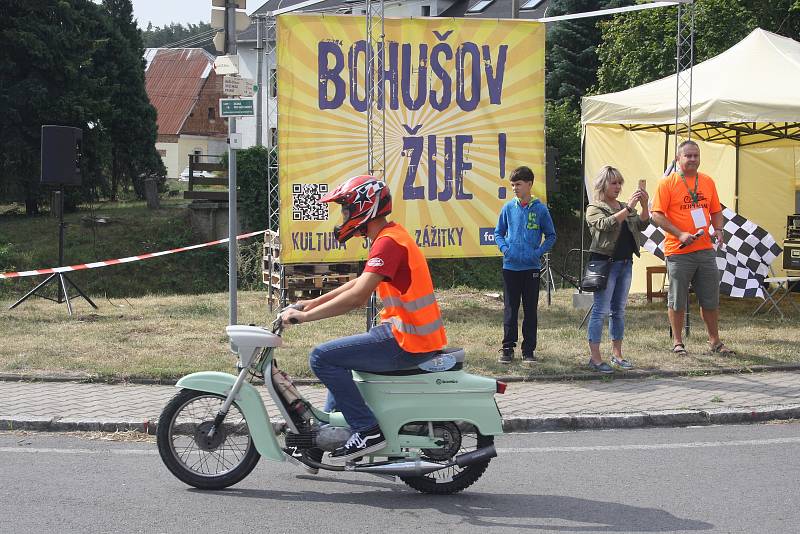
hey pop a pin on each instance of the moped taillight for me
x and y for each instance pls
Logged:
(501, 387)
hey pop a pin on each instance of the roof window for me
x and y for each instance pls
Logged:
(479, 6)
(531, 4)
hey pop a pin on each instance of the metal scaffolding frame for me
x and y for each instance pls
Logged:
(684, 62)
(373, 76)
(267, 90)
(376, 110)
(375, 119)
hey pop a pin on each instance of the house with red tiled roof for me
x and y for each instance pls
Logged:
(185, 90)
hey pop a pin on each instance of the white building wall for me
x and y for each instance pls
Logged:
(170, 159)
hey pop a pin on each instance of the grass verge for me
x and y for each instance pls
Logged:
(165, 337)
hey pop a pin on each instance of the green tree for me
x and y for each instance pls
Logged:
(779, 16)
(640, 47)
(571, 70)
(73, 63)
(132, 120)
(45, 78)
(563, 131)
(571, 49)
(251, 177)
(176, 35)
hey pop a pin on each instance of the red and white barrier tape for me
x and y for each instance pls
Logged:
(106, 263)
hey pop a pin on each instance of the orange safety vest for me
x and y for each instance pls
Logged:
(414, 315)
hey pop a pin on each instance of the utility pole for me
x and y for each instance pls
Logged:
(259, 97)
(233, 246)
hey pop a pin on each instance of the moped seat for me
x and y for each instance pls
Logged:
(448, 359)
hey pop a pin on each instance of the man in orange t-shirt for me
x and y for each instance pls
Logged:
(685, 207)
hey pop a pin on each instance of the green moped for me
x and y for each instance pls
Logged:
(439, 421)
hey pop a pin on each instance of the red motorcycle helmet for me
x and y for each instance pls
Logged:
(362, 198)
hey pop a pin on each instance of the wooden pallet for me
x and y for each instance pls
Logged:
(305, 286)
(272, 242)
(272, 263)
(305, 280)
(326, 282)
(302, 269)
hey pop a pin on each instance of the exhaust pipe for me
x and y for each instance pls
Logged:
(420, 467)
(480, 455)
(416, 468)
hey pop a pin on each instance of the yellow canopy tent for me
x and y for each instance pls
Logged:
(745, 116)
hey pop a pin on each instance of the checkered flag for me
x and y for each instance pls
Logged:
(655, 241)
(743, 262)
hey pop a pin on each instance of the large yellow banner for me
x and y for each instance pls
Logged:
(464, 106)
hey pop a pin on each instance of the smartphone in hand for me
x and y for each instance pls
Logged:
(642, 185)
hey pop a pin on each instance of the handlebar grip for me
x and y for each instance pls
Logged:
(294, 320)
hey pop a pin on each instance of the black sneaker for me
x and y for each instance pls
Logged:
(314, 454)
(529, 358)
(506, 355)
(359, 444)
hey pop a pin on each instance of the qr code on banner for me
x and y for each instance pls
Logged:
(305, 202)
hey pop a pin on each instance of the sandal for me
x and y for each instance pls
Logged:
(721, 349)
(679, 349)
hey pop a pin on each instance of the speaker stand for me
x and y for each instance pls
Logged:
(60, 279)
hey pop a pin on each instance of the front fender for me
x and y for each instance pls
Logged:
(249, 402)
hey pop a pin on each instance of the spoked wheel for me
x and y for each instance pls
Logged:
(197, 458)
(456, 439)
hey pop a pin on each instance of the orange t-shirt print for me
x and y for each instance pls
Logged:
(672, 198)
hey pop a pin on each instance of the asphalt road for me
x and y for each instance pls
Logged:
(707, 479)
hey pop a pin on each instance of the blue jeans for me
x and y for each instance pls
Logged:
(611, 301)
(374, 351)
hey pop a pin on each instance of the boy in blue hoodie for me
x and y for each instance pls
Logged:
(523, 222)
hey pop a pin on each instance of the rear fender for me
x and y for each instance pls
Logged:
(249, 402)
(445, 396)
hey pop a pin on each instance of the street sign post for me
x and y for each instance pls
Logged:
(226, 64)
(238, 86)
(236, 107)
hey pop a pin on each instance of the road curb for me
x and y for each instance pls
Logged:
(58, 424)
(626, 375)
(539, 423)
(655, 418)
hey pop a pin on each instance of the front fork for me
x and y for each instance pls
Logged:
(226, 406)
(248, 400)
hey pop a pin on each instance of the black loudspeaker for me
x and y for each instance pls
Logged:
(61, 155)
(551, 170)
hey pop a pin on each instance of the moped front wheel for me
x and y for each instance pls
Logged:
(196, 456)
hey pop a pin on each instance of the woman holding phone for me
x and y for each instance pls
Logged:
(615, 228)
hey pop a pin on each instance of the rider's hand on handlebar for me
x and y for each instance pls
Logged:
(305, 305)
(292, 316)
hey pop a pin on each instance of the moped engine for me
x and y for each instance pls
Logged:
(325, 437)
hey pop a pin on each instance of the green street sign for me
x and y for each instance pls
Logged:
(236, 107)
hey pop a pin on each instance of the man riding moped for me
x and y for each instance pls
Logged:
(411, 328)
(406, 406)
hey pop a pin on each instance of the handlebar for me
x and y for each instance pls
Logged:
(277, 324)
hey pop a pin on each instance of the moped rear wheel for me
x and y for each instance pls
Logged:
(458, 439)
(186, 449)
